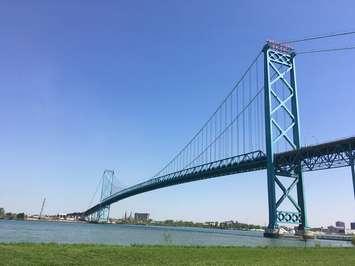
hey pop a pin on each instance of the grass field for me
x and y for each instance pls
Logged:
(56, 254)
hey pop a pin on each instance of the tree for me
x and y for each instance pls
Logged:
(20, 216)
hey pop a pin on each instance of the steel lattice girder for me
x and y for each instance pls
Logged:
(323, 156)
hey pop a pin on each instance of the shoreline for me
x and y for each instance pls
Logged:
(316, 235)
(331, 237)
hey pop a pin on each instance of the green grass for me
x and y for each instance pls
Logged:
(56, 254)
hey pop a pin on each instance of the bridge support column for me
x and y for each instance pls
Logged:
(282, 134)
(103, 212)
(352, 166)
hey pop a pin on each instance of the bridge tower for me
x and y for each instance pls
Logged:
(102, 215)
(282, 134)
(352, 166)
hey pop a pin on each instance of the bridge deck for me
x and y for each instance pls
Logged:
(322, 156)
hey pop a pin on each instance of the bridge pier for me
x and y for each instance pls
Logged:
(271, 232)
(305, 234)
(274, 233)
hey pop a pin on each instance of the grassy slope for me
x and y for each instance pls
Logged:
(54, 254)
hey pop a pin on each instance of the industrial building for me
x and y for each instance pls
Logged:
(141, 217)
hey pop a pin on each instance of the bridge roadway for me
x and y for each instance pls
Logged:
(328, 155)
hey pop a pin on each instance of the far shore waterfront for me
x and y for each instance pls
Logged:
(182, 224)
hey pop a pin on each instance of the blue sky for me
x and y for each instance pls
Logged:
(123, 85)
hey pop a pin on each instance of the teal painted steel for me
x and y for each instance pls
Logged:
(269, 146)
(102, 214)
(282, 129)
(288, 217)
(329, 155)
(352, 163)
(296, 138)
(252, 161)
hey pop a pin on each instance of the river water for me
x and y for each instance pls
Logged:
(60, 232)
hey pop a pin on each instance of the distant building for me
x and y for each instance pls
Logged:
(340, 224)
(211, 224)
(339, 228)
(226, 224)
(336, 230)
(61, 216)
(74, 216)
(352, 226)
(316, 229)
(141, 217)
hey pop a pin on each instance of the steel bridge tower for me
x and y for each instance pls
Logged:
(102, 215)
(282, 133)
(232, 141)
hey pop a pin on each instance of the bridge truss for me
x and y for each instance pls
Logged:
(340, 153)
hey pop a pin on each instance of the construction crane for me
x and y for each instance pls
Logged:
(40, 214)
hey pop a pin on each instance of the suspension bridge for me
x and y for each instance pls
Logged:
(256, 127)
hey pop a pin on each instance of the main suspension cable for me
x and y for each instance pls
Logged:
(327, 50)
(311, 38)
